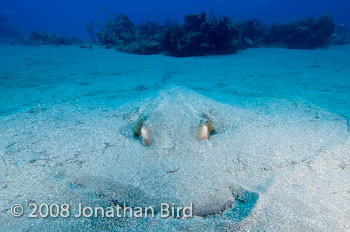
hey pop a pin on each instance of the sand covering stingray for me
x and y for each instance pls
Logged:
(245, 152)
(242, 163)
(177, 167)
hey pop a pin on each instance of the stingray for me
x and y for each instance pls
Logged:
(249, 148)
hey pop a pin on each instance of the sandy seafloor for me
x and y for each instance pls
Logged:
(281, 152)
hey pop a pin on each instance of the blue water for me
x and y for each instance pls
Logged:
(69, 17)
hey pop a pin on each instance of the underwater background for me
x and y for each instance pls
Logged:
(104, 104)
(69, 17)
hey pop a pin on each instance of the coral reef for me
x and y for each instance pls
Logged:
(253, 32)
(341, 35)
(43, 38)
(124, 36)
(200, 35)
(309, 33)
